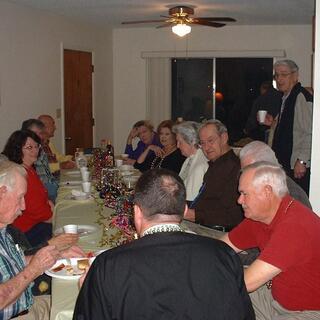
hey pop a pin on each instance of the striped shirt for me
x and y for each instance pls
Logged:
(12, 262)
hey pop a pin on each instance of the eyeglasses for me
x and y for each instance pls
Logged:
(282, 75)
(209, 142)
(29, 148)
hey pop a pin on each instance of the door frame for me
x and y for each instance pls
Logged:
(64, 46)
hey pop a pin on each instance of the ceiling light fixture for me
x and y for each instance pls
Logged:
(181, 29)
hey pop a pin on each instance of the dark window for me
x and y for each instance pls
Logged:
(237, 82)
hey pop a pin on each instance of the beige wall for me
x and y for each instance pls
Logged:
(30, 67)
(130, 69)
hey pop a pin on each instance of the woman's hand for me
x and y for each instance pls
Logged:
(132, 134)
(157, 150)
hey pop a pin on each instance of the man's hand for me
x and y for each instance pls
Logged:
(43, 260)
(268, 120)
(190, 215)
(299, 170)
(64, 240)
(73, 252)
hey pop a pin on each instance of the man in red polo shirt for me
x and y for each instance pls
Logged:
(284, 280)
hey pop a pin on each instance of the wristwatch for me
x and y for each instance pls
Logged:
(302, 162)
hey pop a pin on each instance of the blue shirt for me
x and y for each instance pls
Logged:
(12, 262)
(135, 154)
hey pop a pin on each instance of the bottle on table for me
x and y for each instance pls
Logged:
(109, 155)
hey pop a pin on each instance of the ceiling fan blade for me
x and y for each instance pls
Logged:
(143, 21)
(168, 24)
(224, 19)
(209, 24)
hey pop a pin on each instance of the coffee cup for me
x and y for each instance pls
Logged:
(85, 176)
(119, 162)
(86, 186)
(262, 116)
(70, 228)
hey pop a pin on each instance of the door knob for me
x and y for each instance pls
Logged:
(67, 138)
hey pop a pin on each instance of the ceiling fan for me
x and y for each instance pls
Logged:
(179, 19)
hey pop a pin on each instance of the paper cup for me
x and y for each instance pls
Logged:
(119, 162)
(70, 228)
(86, 187)
(262, 116)
(83, 169)
(85, 176)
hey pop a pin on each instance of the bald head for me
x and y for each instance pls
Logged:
(49, 125)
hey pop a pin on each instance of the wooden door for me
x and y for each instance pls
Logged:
(78, 99)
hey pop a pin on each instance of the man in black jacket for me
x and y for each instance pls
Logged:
(167, 273)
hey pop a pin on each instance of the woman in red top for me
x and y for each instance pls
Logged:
(22, 147)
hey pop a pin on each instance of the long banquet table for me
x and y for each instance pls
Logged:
(67, 211)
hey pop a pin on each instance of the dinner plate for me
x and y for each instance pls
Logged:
(85, 197)
(63, 273)
(83, 230)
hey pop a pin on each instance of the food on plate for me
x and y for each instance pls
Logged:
(90, 254)
(69, 269)
(83, 264)
(58, 268)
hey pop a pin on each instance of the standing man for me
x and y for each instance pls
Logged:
(285, 278)
(167, 273)
(57, 160)
(292, 136)
(216, 205)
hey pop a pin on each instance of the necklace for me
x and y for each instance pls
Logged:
(156, 163)
(165, 227)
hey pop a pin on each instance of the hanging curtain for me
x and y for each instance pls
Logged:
(158, 90)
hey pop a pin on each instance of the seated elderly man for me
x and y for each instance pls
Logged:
(57, 160)
(284, 279)
(17, 272)
(167, 273)
(258, 151)
(216, 205)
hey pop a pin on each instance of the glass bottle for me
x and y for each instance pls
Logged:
(109, 155)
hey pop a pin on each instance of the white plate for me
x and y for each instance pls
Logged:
(69, 183)
(63, 274)
(83, 230)
(78, 198)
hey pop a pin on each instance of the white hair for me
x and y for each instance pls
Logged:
(8, 172)
(266, 173)
(258, 151)
(188, 131)
(287, 63)
(221, 128)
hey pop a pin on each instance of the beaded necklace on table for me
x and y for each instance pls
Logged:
(154, 163)
(165, 227)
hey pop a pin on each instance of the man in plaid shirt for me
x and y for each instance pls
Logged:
(17, 271)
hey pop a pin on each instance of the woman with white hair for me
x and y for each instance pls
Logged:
(196, 164)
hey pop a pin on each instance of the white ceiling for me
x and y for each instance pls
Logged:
(112, 12)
